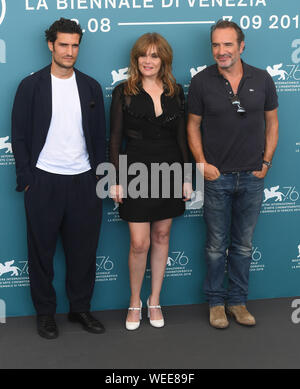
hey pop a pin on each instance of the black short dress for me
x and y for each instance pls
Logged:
(136, 132)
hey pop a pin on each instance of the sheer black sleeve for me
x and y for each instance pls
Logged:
(182, 134)
(116, 128)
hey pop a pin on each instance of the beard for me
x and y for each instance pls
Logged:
(230, 62)
(62, 65)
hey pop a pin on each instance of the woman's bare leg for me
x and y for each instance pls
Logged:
(160, 236)
(139, 247)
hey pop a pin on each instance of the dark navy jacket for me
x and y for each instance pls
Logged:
(31, 117)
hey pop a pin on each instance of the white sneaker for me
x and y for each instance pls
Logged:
(155, 323)
(134, 325)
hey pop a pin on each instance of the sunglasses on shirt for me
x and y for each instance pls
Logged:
(235, 101)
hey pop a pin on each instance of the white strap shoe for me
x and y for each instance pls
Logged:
(134, 325)
(155, 323)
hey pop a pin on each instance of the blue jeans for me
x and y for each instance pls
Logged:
(232, 204)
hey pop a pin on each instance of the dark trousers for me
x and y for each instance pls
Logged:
(67, 205)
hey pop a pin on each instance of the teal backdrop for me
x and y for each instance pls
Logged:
(111, 27)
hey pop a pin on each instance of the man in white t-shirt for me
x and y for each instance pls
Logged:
(58, 139)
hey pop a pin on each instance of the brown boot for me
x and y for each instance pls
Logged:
(217, 317)
(241, 315)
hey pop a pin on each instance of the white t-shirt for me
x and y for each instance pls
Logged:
(65, 149)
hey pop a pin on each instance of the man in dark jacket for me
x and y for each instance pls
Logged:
(58, 140)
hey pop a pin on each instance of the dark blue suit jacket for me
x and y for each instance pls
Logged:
(31, 116)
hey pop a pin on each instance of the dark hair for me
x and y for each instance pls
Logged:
(227, 24)
(63, 25)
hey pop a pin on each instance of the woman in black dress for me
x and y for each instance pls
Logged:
(148, 112)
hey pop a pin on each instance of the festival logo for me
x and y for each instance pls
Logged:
(2, 10)
(287, 76)
(276, 71)
(178, 259)
(116, 76)
(280, 199)
(113, 212)
(273, 193)
(8, 268)
(120, 75)
(6, 156)
(197, 70)
(193, 72)
(14, 274)
(5, 145)
(178, 265)
(196, 202)
(194, 207)
(105, 269)
(257, 262)
(296, 260)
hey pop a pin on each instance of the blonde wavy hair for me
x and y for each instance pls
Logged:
(165, 54)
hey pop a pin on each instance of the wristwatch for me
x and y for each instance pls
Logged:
(268, 164)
